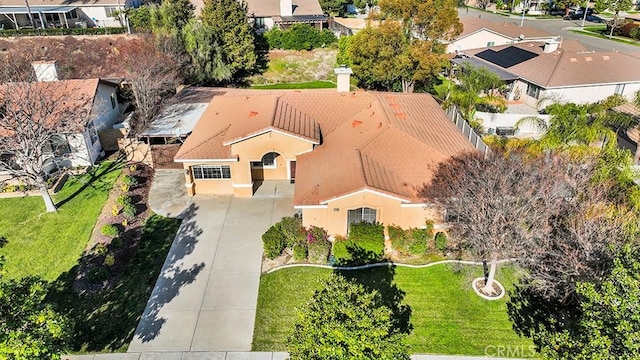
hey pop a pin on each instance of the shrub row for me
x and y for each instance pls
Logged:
(365, 244)
(416, 241)
(299, 37)
(289, 232)
(62, 31)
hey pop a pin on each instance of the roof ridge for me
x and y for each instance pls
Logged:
(206, 139)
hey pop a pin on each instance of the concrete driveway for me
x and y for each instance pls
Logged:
(205, 297)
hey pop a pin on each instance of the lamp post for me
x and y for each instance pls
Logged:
(584, 16)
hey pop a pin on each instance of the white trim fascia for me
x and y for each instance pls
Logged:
(310, 206)
(363, 191)
(592, 85)
(267, 131)
(205, 160)
(414, 205)
(242, 185)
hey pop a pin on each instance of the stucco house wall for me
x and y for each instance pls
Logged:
(209, 186)
(592, 93)
(97, 15)
(478, 40)
(389, 211)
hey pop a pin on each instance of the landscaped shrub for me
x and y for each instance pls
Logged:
(340, 251)
(117, 242)
(100, 249)
(129, 211)
(292, 230)
(420, 240)
(130, 180)
(274, 242)
(369, 237)
(123, 200)
(109, 260)
(98, 274)
(299, 37)
(441, 241)
(109, 230)
(411, 241)
(318, 245)
(300, 251)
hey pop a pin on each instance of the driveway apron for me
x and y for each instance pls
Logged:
(205, 297)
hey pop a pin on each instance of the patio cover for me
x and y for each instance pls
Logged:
(8, 10)
(504, 75)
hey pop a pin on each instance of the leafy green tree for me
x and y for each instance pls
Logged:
(425, 19)
(616, 6)
(334, 7)
(344, 321)
(223, 46)
(29, 327)
(140, 18)
(171, 16)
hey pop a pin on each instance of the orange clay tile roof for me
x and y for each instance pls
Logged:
(70, 99)
(386, 142)
(472, 24)
(570, 65)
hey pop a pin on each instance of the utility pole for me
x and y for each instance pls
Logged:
(524, 6)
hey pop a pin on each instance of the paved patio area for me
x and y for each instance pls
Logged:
(206, 295)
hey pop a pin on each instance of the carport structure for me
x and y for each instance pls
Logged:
(21, 16)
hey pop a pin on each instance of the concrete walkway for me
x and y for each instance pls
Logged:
(205, 297)
(168, 195)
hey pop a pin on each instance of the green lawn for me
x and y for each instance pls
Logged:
(105, 321)
(48, 244)
(599, 32)
(447, 316)
(302, 85)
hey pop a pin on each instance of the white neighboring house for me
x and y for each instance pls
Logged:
(550, 71)
(14, 14)
(100, 102)
(281, 14)
(479, 33)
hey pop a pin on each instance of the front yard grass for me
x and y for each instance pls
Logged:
(48, 244)
(447, 316)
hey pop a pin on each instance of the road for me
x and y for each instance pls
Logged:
(558, 26)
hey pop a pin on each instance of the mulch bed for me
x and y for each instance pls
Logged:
(497, 291)
(102, 253)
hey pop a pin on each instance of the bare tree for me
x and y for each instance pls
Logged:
(32, 114)
(152, 68)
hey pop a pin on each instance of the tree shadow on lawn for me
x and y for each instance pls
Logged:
(93, 175)
(381, 280)
(107, 320)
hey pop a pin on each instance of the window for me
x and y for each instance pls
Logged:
(619, 89)
(268, 161)
(211, 172)
(113, 100)
(491, 43)
(533, 91)
(57, 146)
(111, 11)
(93, 134)
(363, 214)
(259, 23)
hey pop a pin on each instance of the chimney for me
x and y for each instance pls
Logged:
(45, 70)
(550, 46)
(344, 78)
(286, 8)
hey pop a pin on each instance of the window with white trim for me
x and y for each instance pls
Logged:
(205, 172)
(268, 161)
(363, 214)
(111, 11)
(533, 91)
(491, 43)
(620, 89)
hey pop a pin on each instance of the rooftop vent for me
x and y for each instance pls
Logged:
(550, 46)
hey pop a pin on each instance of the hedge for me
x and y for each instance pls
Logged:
(299, 37)
(365, 244)
(63, 31)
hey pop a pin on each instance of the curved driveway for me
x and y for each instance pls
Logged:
(205, 297)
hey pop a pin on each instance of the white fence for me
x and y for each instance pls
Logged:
(467, 130)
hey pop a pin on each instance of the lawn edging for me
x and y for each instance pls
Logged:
(385, 263)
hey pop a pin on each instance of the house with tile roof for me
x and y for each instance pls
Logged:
(479, 33)
(15, 14)
(544, 72)
(281, 14)
(353, 156)
(94, 101)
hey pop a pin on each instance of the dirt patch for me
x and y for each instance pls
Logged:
(287, 66)
(106, 255)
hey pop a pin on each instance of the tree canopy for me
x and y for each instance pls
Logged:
(344, 321)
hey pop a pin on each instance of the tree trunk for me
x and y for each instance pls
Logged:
(48, 202)
(407, 86)
(488, 286)
(613, 24)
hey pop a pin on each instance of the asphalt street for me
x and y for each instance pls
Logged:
(559, 27)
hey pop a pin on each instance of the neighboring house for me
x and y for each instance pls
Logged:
(349, 26)
(14, 14)
(540, 72)
(281, 14)
(97, 98)
(479, 33)
(354, 156)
